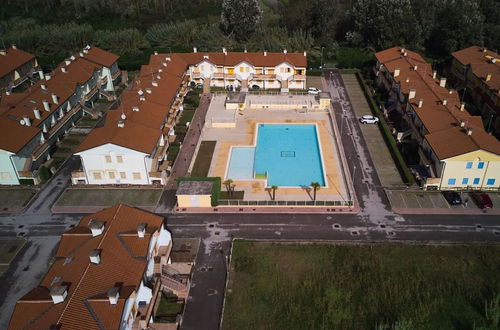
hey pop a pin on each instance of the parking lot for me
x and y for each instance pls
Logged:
(434, 201)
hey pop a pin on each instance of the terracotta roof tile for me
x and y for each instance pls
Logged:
(481, 65)
(13, 59)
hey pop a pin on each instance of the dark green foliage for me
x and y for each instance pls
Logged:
(386, 286)
(44, 173)
(240, 17)
(204, 158)
(26, 181)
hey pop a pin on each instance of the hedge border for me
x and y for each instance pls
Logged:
(403, 169)
(215, 188)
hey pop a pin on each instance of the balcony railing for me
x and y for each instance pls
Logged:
(91, 93)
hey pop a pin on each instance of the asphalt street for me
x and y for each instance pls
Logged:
(374, 223)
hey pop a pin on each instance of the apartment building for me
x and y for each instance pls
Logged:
(32, 122)
(16, 66)
(132, 145)
(107, 274)
(453, 146)
(476, 71)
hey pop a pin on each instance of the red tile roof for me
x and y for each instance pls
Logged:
(87, 305)
(480, 61)
(13, 59)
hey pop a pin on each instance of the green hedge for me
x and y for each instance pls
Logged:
(403, 169)
(215, 188)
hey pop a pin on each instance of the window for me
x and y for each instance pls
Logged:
(468, 165)
(476, 181)
(97, 176)
(111, 175)
(451, 181)
(123, 175)
(241, 69)
(119, 159)
(465, 180)
(490, 182)
(480, 165)
(136, 175)
(108, 159)
(288, 70)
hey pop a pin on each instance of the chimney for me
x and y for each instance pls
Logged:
(469, 131)
(484, 50)
(412, 93)
(135, 108)
(396, 72)
(205, 57)
(462, 106)
(154, 83)
(156, 52)
(305, 53)
(36, 112)
(265, 53)
(434, 74)
(82, 55)
(55, 99)
(284, 51)
(68, 62)
(113, 295)
(405, 54)
(26, 120)
(47, 77)
(445, 102)
(7, 93)
(493, 60)
(168, 58)
(462, 123)
(415, 67)
(442, 82)
(420, 103)
(149, 90)
(46, 106)
(245, 51)
(402, 50)
(58, 293)
(141, 230)
(14, 47)
(224, 51)
(407, 79)
(40, 74)
(63, 69)
(43, 86)
(95, 256)
(195, 50)
(488, 77)
(121, 123)
(142, 98)
(3, 52)
(97, 227)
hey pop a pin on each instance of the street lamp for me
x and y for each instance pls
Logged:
(322, 47)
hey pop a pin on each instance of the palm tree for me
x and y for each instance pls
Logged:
(228, 183)
(316, 186)
(273, 188)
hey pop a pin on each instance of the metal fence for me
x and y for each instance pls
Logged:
(231, 202)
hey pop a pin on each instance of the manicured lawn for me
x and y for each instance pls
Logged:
(236, 195)
(386, 286)
(186, 116)
(15, 197)
(204, 158)
(168, 309)
(109, 196)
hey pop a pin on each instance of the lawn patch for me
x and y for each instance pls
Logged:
(203, 158)
(385, 286)
(109, 196)
(15, 197)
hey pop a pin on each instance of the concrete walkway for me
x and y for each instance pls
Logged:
(185, 156)
(382, 159)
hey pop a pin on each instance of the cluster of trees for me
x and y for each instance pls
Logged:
(344, 31)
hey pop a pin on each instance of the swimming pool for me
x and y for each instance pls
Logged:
(289, 154)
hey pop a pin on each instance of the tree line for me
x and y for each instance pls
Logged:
(342, 31)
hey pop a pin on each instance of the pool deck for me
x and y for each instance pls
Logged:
(244, 135)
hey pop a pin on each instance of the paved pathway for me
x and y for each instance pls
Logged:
(185, 156)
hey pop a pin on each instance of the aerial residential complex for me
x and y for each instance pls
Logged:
(33, 121)
(16, 66)
(131, 147)
(454, 146)
(107, 274)
(477, 71)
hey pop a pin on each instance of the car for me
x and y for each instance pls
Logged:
(368, 119)
(255, 87)
(482, 200)
(452, 197)
(313, 91)
(199, 85)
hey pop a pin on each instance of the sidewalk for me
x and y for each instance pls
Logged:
(270, 209)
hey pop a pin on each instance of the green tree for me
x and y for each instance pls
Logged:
(316, 186)
(274, 188)
(228, 183)
(240, 17)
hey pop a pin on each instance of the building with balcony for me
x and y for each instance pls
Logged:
(454, 148)
(107, 274)
(476, 71)
(32, 122)
(16, 66)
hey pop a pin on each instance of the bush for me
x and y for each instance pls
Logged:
(44, 173)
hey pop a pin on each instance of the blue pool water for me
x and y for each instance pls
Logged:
(289, 154)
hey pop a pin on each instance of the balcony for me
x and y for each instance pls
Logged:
(264, 76)
(91, 93)
(25, 174)
(299, 77)
(115, 75)
(196, 75)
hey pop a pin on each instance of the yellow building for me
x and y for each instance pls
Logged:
(194, 194)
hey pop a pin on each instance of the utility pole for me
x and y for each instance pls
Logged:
(322, 47)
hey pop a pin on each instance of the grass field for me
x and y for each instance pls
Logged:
(109, 197)
(15, 197)
(203, 159)
(384, 286)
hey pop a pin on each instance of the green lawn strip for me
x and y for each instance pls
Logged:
(386, 133)
(204, 158)
(109, 196)
(186, 116)
(235, 195)
(167, 307)
(173, 150)
(215, 189)
(385, 286)
(15, 197)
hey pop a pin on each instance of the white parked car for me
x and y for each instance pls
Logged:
(368, 119)
(313, 91)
